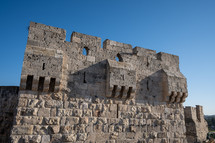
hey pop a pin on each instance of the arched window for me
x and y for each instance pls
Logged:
(85, 51)
(118, 58)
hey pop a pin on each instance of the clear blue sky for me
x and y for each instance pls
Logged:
(182, 27)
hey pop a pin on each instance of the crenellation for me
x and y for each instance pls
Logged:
(195, 124)
(139, 51)
(117, 47)
(92, 44)
(78, 91)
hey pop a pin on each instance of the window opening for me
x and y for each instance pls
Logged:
(85, 51)
(129, 92)
(43, 66)
(122, 91)
(114, 90)
(85, 77)
(147, 85)
(117, 113)
(29, 82)
(52, 85)
(118, 58)
(41, 84)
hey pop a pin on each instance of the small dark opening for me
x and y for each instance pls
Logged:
(85, 51)
(43, 66)
(114, 90)
(147, 85)
(122, 91)
(147, 64)
(98, 113)
(52, 85)
(29, 82)
(117, 113)
(118, 58)
(41, 83)
(85, 77)
(2, 131)
(129, 92)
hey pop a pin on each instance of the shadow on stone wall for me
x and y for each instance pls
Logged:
(8, 104)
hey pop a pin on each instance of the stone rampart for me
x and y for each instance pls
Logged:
(78, 92)
(196, 125)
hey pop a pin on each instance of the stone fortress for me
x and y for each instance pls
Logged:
(66, 96)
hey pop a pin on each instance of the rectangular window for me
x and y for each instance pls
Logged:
(41, 84)
(52, 85)
(29, 82)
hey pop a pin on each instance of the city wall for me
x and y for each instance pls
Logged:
(67, 95)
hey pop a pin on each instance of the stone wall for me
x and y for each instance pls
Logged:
(57, 118)
(69, 96)
(196, 125)
(8, 104)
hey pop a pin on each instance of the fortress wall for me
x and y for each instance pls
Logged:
(93, 97)
(196, 125)
(52, 117)
(8, 104)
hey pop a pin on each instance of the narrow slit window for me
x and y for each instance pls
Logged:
(114, 90)
(129, 92)
(41, 84)
(43, 66)
(147, 85)
(85, 77)
(122, 91)
(85, 51)
(52, 85)
(29, 82)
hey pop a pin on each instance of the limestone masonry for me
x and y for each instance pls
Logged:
(67, 95)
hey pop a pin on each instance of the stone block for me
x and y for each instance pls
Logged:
(45, 139)
(32, 120)
(52, 121)
(22, 102)
(22, 130)
(70, 138)
(43, 112)
(54, 104)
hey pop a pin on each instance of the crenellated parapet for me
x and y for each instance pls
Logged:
(196, 125)
(83, 91)
(52, 64)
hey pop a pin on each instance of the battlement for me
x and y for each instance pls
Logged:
(195, 123)
(48, 57)
(195, 113)
(78, 91)
(43, 36)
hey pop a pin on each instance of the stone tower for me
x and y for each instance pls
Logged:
(68, 96)
(195, 124)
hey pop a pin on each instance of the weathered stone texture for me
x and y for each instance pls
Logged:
(8, 104)
(66, 96)
(196, 125)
